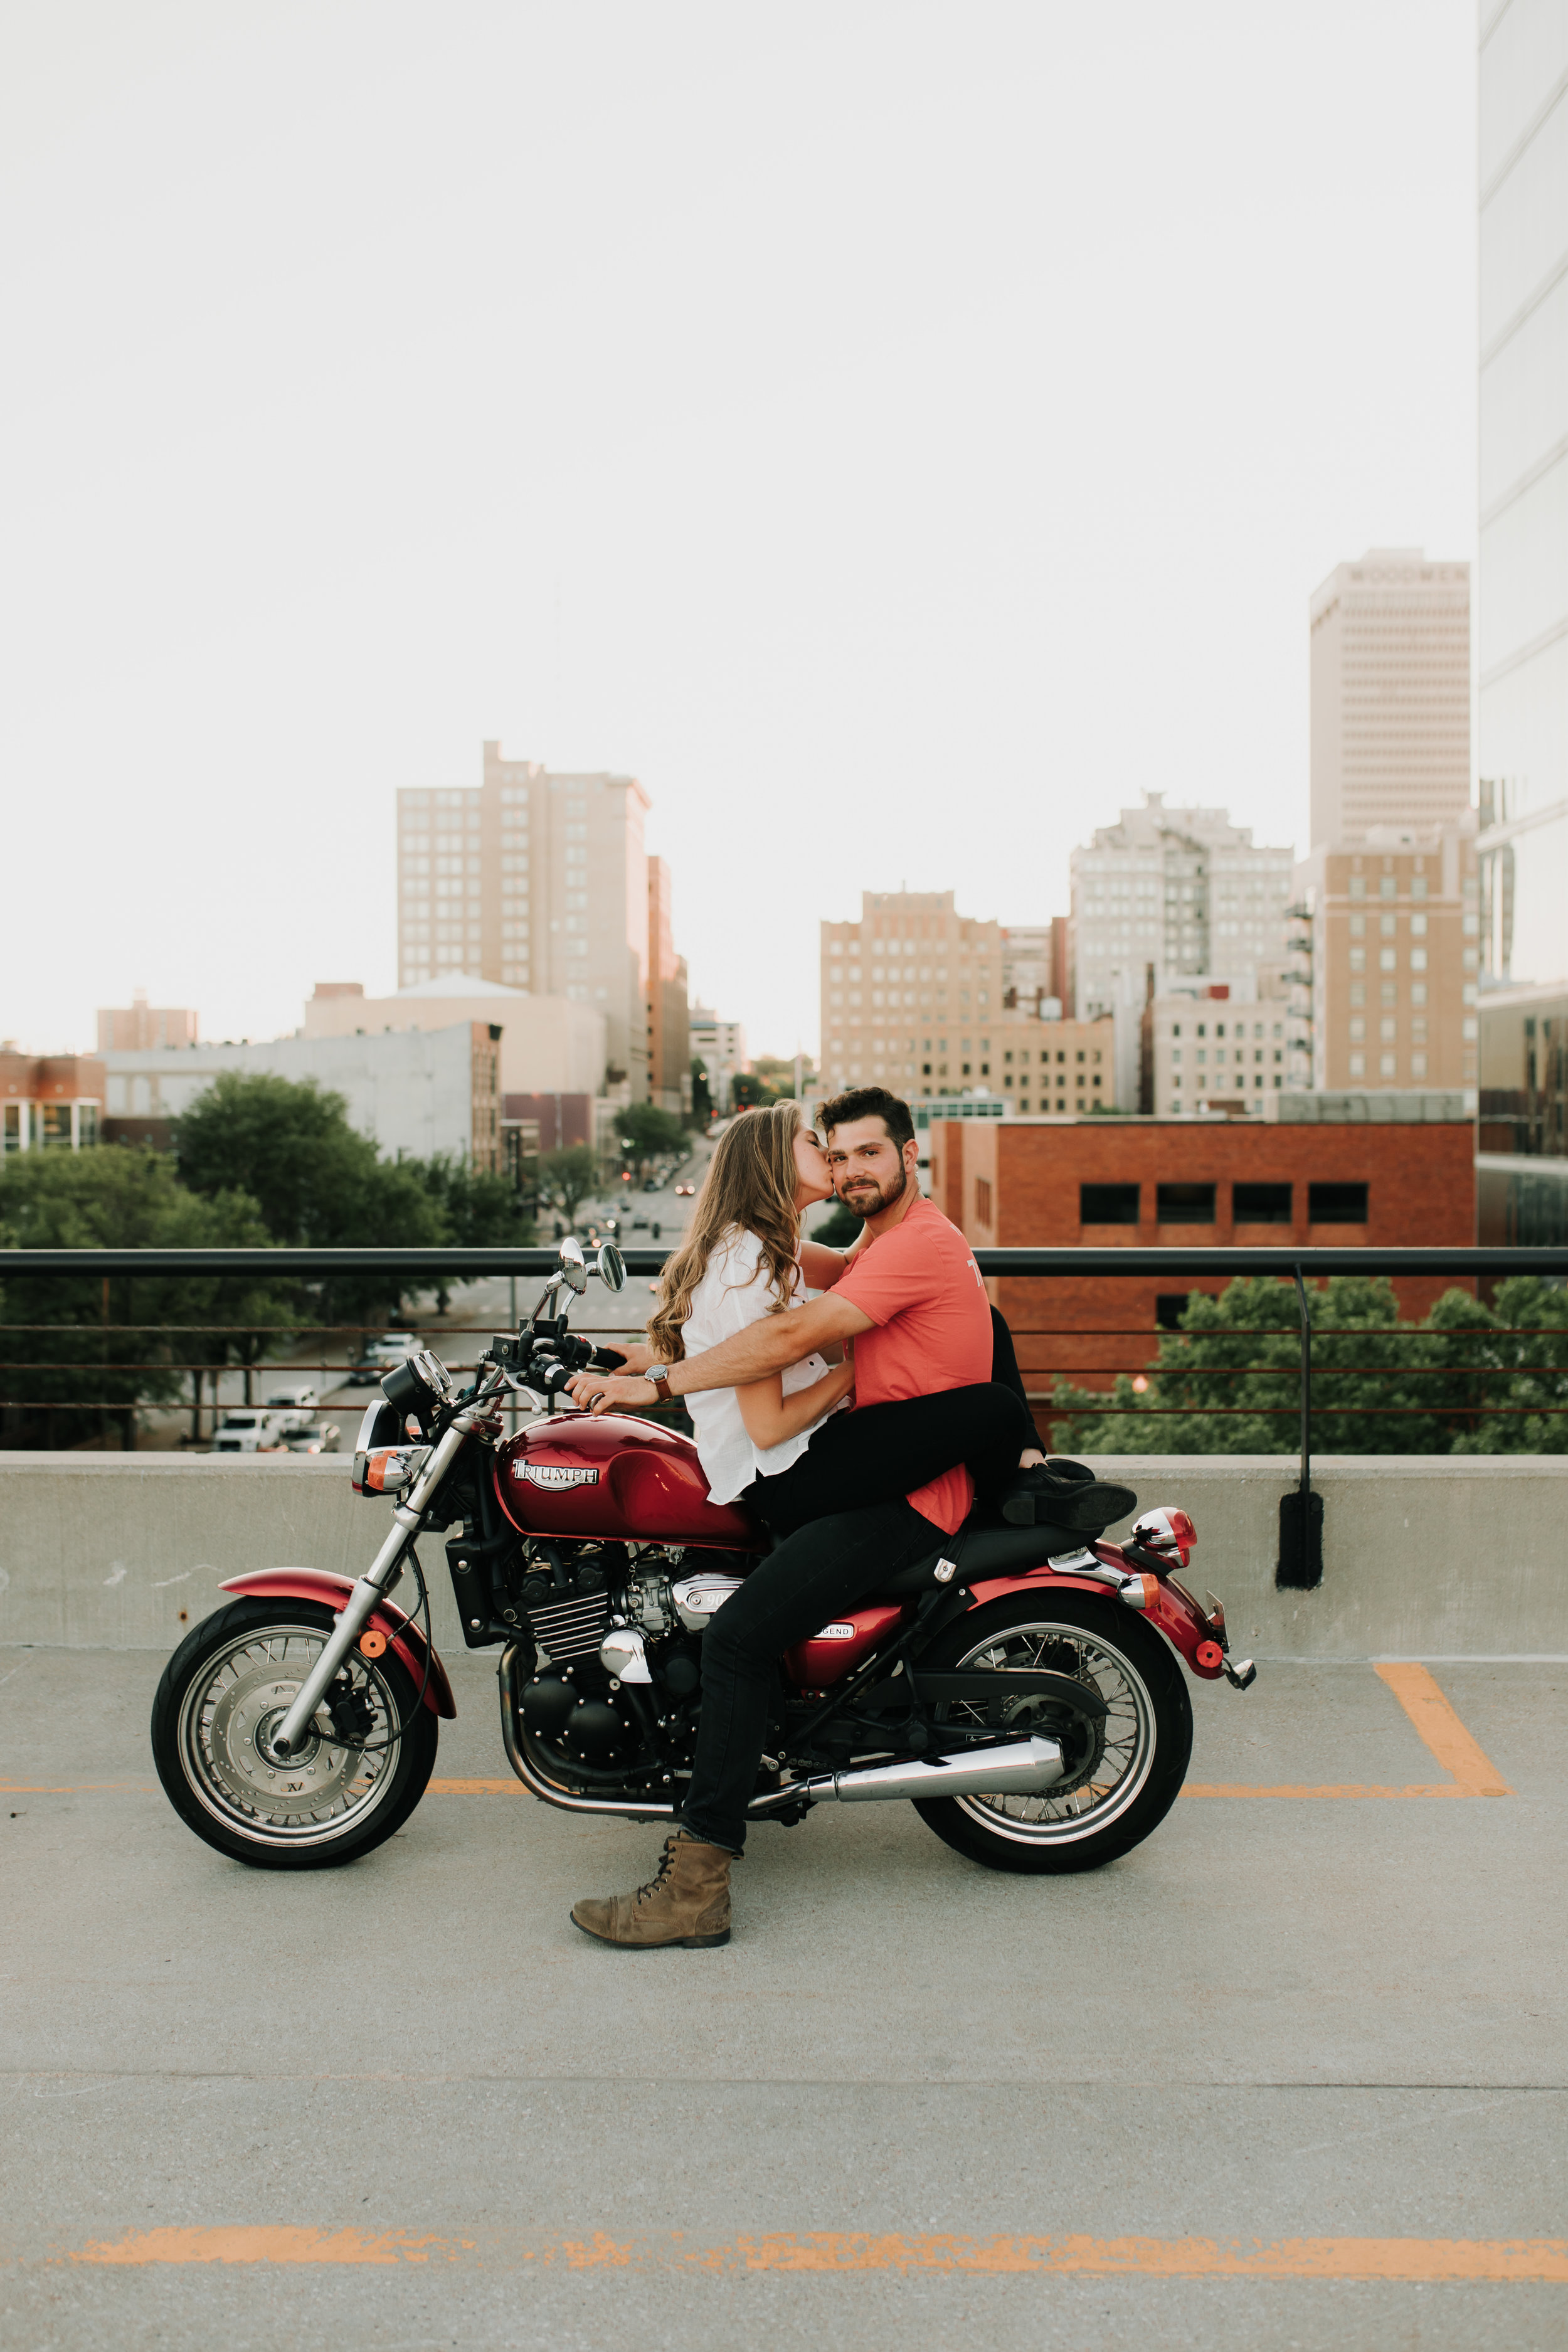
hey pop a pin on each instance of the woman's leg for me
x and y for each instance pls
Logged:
(881, 1452)
(821, 1571)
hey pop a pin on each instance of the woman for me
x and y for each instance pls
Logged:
(780, 1445)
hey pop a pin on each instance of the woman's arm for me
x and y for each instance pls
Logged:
(771, 1417)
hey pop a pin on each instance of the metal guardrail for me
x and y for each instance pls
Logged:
(1300, 1514)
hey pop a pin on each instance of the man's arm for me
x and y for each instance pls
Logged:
(763, 1347)
(823, 1266)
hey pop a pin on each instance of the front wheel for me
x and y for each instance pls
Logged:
(1128, 1782)
(363, 1768)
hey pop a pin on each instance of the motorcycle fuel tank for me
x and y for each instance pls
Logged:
(616, 1477)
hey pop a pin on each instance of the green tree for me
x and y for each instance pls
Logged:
(1230, 1381)
(650, 1131)
(701, 1095)
(319, 1183)
(568, 1176)
(115, 1199)
(747, 1091)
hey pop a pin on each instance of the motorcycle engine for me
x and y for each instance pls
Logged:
(571, 1597)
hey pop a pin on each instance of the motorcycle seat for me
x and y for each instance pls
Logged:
(982, 1547)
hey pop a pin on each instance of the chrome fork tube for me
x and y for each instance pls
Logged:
(373, 1586)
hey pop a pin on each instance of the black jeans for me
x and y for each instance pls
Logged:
(883, 1452)
(821, 1571)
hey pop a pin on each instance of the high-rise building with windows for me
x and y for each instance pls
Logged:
(1174, 891)
(1393, 954)
(1390, 695)
(538, 881)
(912, 997)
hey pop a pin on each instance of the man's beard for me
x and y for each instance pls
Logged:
(865, 1205)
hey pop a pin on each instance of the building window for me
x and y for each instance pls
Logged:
(1336, 1205)
(1107, 1204)
(1417, 1066)
(1184, 1204)
(1261, 1204)
(1387, 1065)
(1358, 1065)
(1170, 1305)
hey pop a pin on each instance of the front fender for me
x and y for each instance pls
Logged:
(404, 1636)
(1177, 1616)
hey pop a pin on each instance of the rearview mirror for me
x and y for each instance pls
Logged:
(573, 1269)
(610, 1266)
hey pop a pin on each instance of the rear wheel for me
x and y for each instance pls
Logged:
(1125, 1787)
(371, 1750)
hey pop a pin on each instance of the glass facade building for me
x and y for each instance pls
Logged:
(1523, 567)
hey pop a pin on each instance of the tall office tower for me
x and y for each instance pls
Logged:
(668, 1017)
(1523, 577)
(912, 997)
(1391, 694)
(1183, 890)
(538, 881)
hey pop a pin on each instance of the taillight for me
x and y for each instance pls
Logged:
(1166, 1531)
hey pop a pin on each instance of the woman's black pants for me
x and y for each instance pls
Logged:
(847, 1528)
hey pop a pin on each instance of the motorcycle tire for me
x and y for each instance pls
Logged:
(1141, 1757)
(231, 1676)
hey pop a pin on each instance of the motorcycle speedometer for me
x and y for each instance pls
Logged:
(417, 1385)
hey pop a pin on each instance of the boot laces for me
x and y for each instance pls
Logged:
(666, 1863)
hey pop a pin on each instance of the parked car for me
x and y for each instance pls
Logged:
(314, 1437)
(379, 1355)
(296, 1405)
(685, 1191)
(653, 1185)
(251, 1431)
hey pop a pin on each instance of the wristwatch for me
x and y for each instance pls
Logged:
(658, 1380)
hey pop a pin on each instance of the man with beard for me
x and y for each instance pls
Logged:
(913, 1302)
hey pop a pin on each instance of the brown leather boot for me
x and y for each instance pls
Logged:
(686, 1903)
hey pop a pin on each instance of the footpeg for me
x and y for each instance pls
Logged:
(1240, 1674)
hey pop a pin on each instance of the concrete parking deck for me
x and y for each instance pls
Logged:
(1292, 2074)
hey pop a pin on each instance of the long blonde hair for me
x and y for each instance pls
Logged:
(749, 1187)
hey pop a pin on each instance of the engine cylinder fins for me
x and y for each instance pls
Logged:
(572, 1628)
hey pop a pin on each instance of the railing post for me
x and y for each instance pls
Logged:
(1299, 1567)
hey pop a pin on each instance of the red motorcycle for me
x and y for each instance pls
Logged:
(1021, 1687)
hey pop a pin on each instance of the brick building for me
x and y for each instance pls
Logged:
(135, 1027)
(1383, 1171)
(49, 1102)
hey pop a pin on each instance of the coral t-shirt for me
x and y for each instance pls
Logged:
(921, 1288)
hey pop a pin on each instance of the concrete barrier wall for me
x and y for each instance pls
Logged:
(1422, 1557)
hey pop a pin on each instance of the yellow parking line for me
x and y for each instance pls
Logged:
(1424, 2260)
(1441, 1730)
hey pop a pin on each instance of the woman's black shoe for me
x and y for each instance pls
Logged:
(1038, 1498)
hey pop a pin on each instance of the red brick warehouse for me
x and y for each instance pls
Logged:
(1400, 1182)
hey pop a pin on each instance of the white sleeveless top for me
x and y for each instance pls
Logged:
(733, 1294)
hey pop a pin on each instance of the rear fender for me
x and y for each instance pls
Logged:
(405, 1639)
(1172, 1611)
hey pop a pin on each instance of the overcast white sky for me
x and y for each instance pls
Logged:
(898, 433)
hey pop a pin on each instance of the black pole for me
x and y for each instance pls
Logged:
(1299, 1567)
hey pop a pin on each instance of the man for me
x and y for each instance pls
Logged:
(912, 1302)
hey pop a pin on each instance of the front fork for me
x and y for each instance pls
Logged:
(374, 1584)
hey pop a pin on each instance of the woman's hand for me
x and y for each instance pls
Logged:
(605, 1391)
(633, 1355)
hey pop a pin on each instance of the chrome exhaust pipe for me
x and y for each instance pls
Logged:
(1025, 1767)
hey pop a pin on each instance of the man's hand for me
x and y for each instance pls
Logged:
(609, 1393)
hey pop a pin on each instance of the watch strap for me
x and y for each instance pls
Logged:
(658, 1381)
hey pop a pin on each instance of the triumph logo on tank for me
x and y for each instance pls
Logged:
(554, 1474)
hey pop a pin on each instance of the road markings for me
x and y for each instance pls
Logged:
(1439, 1730)
(1442, 1731)
(1438, 1727)
(1421, 2260)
